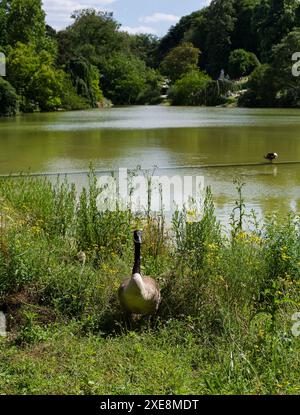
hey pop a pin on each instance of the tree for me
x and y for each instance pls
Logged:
(241, 63)
(197, 34)
(176, 34)
(190, 89)
(86, 80)
(123, 78)
(221, 23)
(25, 22)
(275, 84)
(3, 23)
(245, 35)
(8, 99)
(46, 88)
(35, 78)
(286, 83)
(261, 89)
(127, 80)
(274, 19)
(145, 47)
(93, 36)
(181, 60)
(152, 94)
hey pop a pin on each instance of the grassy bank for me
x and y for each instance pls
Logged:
(224, 325)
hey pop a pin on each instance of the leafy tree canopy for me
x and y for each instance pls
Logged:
(241, 63)
(35, 78)
(180, 60)
(286, 83)
(124, 78)
(93, 36)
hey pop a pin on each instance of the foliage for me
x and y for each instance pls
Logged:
(176, 34)
(9, 100)
(275, 84)
(241, 63)
(274, 19)
(70, 99)
(125, 78)
(152, 94)
(25, 21)
(93, 36)
(3, 24)
(179, 61)
(286, 84)
(197, 88)
(261, 90)
(221, 20)
(190, 89)
(145, 47)
(237, 50)
(35, 78)
(241, 38)
(86, 80)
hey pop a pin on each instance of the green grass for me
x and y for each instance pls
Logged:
(224, 325)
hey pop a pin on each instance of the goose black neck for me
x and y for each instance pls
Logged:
(137, 259)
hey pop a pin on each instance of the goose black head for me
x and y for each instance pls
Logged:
(137, 237)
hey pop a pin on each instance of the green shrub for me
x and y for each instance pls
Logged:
(180, 61)
(261, 90)
(70, 100)
(124, 78)
(191, 89)
(241, 63)
(9, 100)
(197, 88)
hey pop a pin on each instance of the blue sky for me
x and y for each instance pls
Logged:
(136, 16)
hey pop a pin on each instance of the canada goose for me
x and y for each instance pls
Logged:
(139, 295)
(271, 156)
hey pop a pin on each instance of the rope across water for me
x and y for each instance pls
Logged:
(108, 171)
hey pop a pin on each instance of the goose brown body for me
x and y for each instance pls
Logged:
(139, 294)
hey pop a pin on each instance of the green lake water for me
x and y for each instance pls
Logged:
(177, 139)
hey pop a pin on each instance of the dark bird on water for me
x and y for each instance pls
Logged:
(271, 156)
(139, 294)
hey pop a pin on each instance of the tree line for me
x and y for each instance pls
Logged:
(231, 46)
(74, 68)
(250, 39)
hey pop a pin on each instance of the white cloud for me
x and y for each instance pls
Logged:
(138, 29)
(160, 17)
(59, 11)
